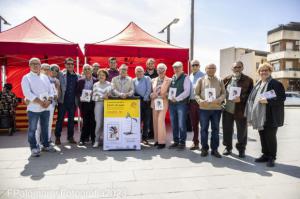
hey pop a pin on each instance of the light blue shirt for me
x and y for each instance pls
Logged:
(142, 87)
(194, 78)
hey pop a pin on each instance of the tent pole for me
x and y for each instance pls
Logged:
(85, 59)
(78, 119)
(3, 73)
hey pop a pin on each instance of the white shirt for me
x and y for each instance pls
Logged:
(34, 86)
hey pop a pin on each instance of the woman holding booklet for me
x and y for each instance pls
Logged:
(265, 112)
(159, 104)
(101, 91)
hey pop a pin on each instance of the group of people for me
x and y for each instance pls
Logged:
(204, 97)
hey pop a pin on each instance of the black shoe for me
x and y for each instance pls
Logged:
(72, 141)
(216, 154)
(271, 162)
(204, 153)
(194, 147)
(181, 146)
(262, 158)
(173, 146)
(242, 154)
(227, 152)
(161, 146)
(155, 144)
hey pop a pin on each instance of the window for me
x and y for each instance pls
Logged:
(275, 47)
(288, 65)
(276, 66)
(289, 45)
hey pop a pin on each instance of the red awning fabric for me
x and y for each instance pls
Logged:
(34, 38)
(133, 43)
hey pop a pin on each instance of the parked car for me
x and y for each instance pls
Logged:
(292, 99)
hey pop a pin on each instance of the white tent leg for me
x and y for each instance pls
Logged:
(3, 75)
(79, 115)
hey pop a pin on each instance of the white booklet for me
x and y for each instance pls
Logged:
(210, 94)
(172, 93)
(268, 94)
(44, 96)
(158, 104)
(234, 92)
(86, 95)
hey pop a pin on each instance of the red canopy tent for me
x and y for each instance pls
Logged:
(32, 39)
(134, 46)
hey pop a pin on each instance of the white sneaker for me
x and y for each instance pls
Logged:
(49, 149)
(96, 145)
(35, 153)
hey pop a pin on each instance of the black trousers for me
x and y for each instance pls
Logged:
(242, 131)
(268, 141)
(146, 118)
(88, 118)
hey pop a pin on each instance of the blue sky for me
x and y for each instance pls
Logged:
(218, 23)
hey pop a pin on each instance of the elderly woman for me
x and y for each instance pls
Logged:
(160, 86)
(265, 112)
(101, 91)
(86, 105)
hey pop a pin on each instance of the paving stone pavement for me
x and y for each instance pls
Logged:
(83, 172)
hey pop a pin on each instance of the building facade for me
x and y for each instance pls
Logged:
(284, 44)
(250, 58)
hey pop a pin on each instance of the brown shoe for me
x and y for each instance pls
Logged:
(72, 141)
(194, 147)
(57, 141)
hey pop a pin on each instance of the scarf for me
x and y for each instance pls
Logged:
(255, 111)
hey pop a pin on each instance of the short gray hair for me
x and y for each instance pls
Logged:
(34, 59)
(138, 67)
(161, 65)
(123, 66)
(178, 64)
(195, 61)
(45, 66)
(87, 67)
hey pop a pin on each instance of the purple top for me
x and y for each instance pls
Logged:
(111, 74)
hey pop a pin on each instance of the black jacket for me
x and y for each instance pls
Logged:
(275, 106)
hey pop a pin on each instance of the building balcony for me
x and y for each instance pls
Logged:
(291, 73)
(284, 55)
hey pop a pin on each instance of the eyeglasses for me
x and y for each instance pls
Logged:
(194, 65)
(211, 68)
(70, 64)
(237, 67)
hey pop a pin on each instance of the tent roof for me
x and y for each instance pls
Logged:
(133, 35)
(33, 37)
(132, 41)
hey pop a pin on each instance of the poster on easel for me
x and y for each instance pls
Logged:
(121, 124)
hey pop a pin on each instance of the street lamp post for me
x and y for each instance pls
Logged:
(168, 29)
(5, 22)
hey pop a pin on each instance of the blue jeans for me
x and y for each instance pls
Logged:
(62, 109)
(178, 114)
(33, 118)
(213, 117)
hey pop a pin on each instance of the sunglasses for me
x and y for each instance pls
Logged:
(237, 67)
(194, 65)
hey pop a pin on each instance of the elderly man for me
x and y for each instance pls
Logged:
(45, 69)
(178, 105)
(235, 108)
(193, 105)
(37, 90)
(96, 67)
(142, 88)
(112, 71)
(122, 85)
(66, 101)
(210, 108)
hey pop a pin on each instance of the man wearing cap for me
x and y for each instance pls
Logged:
(193, 105)
(178, 105)
(122, 85)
